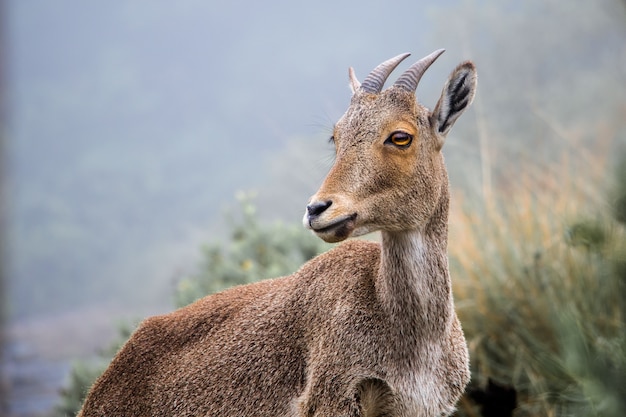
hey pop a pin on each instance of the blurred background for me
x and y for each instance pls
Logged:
(143, 139)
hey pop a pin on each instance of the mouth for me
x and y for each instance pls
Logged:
(336, 231)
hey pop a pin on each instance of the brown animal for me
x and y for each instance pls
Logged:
(365, 329)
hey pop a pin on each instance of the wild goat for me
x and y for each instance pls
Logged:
(365, 329)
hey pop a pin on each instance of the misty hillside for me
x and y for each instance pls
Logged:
(132, 127)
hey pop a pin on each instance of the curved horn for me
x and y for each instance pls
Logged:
(373, 83)
(411, 77)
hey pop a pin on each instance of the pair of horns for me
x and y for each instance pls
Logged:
(408, 81)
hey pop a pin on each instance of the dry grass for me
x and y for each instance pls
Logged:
(538, 288)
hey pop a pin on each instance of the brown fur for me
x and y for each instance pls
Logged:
(362, 330)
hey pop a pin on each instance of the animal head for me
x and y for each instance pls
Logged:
(388, 172)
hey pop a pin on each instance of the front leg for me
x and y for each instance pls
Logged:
(375, 398)
(355, 397)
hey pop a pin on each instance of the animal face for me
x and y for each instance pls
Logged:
(388, 172)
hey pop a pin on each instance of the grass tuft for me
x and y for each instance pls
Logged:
(539, 279)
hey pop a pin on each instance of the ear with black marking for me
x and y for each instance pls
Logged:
(456, 96)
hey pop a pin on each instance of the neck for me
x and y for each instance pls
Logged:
(413, 281)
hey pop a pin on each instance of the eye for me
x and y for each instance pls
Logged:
(331, 140)
(400, 139)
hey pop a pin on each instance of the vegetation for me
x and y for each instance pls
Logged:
(254, 252)
(540, 284)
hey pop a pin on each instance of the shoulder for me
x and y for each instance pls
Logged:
(358, 246)
(353, 258)
(352, 252)
(212, 309)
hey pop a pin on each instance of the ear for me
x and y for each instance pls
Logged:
(456, 96)
(354, 83)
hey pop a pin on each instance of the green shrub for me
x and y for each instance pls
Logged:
(540, 286)
(254, 251)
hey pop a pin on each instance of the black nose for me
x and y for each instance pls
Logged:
(317, 207)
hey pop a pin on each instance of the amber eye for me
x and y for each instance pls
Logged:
(400, 139)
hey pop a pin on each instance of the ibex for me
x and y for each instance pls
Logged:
(365, 329)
